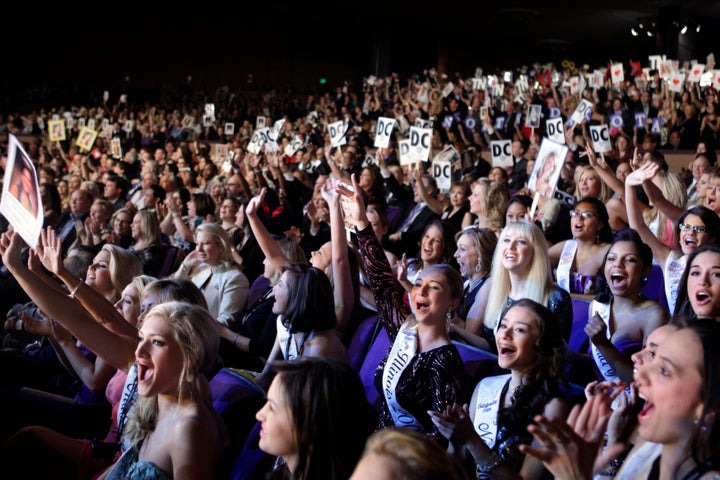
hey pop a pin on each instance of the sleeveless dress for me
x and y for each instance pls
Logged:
(497, 437)
(573, 282)
(128, 467)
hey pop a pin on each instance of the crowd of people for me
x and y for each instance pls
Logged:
(248, 237)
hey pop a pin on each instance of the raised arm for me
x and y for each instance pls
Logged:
(99, 307)
(603, 169)
(269, 246)
(387, 291)
(342, 280)
(432, 202)
(635, 218)
(667, 208)
(95, 375)
(117, 350)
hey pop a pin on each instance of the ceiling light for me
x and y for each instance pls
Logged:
(649, 33)
(634, 32)
(683, 30)
(697, 29)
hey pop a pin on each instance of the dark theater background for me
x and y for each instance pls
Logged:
(63, 48)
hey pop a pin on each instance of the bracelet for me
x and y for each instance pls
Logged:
(235, 339)
(75, 290)
(482, 471)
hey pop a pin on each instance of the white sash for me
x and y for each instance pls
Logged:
(487, 405)
(566, 260)
(607, 370)
(403, 350)
(673, 271)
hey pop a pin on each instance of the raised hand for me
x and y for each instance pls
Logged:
(454, 423)
(10, 248)
(596, 330)
(356, 205)
(51, 251)
(642, 174)
(254, 203)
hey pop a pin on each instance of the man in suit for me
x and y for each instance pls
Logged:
(80, 202)
(406, 239)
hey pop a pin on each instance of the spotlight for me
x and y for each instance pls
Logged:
(634, 32)
(683, 30)
(641, 26)
(649, 33)
(697, 29)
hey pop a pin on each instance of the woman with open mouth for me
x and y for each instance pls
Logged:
(694, 227)
(699, 295)
(530, 345)
(578, 260)
(423, 370)
(621, 318)
(521, 269)
(679, 385)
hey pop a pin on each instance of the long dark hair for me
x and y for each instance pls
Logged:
(545, 381)
(310, 304)
(331, 415)
(683, 306)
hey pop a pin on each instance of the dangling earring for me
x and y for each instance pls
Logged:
(478, 267)
(448, 320)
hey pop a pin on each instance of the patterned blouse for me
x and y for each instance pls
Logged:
(434, 379)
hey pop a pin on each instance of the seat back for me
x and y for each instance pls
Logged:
(252, 463)
(579, 341)
(478, 363)
(361, 340)
(376, 353)
(237, 399)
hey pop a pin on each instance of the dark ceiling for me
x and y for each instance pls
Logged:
(297, 42)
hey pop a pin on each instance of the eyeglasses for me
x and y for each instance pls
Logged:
(584, 215)
(695, 228)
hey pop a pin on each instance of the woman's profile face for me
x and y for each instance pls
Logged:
(671, 384)
(277, 435)
(477, 199)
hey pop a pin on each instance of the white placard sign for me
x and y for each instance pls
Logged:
(555, 130)
(337, 133)
(534, 112)
(501, 153)
(695, 72)
(229, 129)
(617, 73)
(383, 130)
(260, 123)
(448, 89)
(676, 82)
(276, 129)
(600, 135)
(546, 172)
(442, 172)
(420, 143)
(256, 143)
(295, 144)
(404, 151)
(581, 111)
(21, 203)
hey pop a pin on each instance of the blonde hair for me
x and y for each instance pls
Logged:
(150, 227)
(606, 192)
(494, 202)
(222, 238)
(415, 455)
(539, 283)
(123, 267)
(198, 336)
(673, 189)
